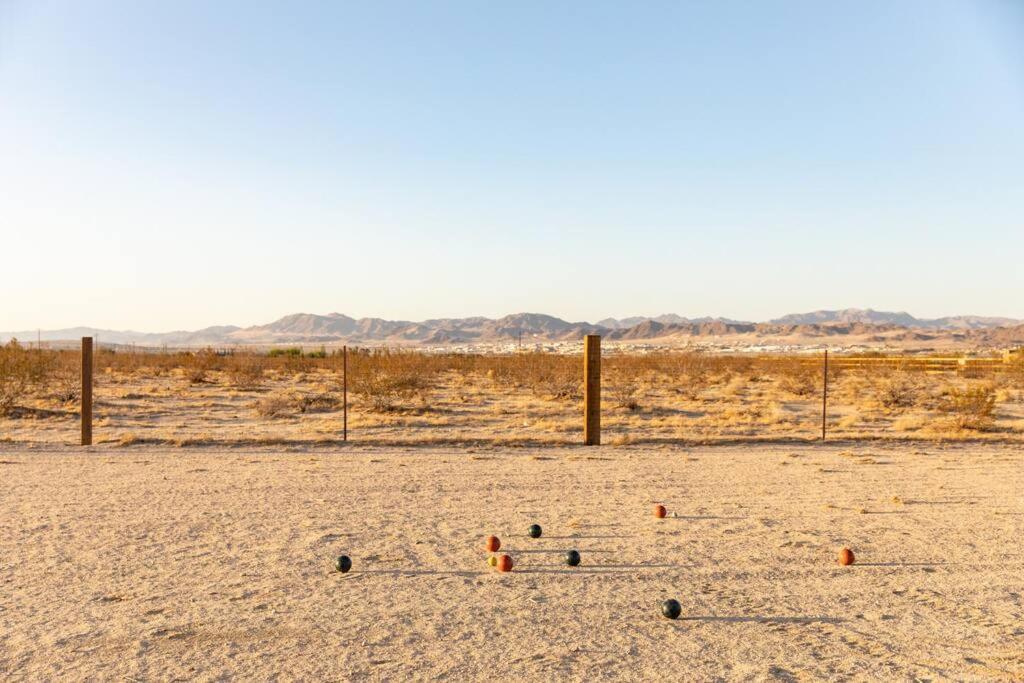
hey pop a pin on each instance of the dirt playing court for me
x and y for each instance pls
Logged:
(147, 563)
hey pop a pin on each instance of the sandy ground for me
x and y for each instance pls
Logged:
(148, 563)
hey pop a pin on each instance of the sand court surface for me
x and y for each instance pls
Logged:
(148, 563)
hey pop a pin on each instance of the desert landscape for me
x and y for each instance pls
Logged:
(475, 341)
(288, 396)
(197, 538)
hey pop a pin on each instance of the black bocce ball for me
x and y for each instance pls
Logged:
(572, 558)
(534, 531)
(671, 609)
(343, 563)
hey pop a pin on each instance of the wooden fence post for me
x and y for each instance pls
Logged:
(592, 390)
(824, 396)
(344, 392)
(86, 391)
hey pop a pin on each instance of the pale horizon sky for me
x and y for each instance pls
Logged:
(175, 165)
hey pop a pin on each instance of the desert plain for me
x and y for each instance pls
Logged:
(201, 398)
(157, 563)
(196, 539)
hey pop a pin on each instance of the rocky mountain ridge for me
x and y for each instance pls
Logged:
(309, 328)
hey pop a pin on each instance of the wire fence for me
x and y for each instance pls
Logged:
(290, 397)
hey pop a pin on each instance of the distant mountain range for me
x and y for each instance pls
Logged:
(308, 328)
(870, 317)
(667, 319)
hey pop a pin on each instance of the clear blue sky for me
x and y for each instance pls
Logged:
(178, 164)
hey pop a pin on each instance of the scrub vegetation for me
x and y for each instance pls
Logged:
(529, 398)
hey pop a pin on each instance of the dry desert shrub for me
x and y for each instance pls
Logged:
(800, 382)
(971, 408)
(1005, 387)
(245, 372)
(897, 392)
(689, 391)
(743, 413)
(560, 388)
(296, 403)
(691, 381)
(197, 366)
(628, 392)
(776, 413)
(21, 371)
(910, 423)
(546, 375)
(66, 378)
(274, 406)
(734, 384)
(1015, 372)
(390, 391)
(691, 373)
(556, 381)
(317, 403)
(128, 439)
(852, 386)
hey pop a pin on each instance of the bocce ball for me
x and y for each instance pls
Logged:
(660, 511)
(504, 563)
(572, 558)
(493, 543)
(343, 563)
(846, 556)
(492, 560)
(534, 531)
(671, 609)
